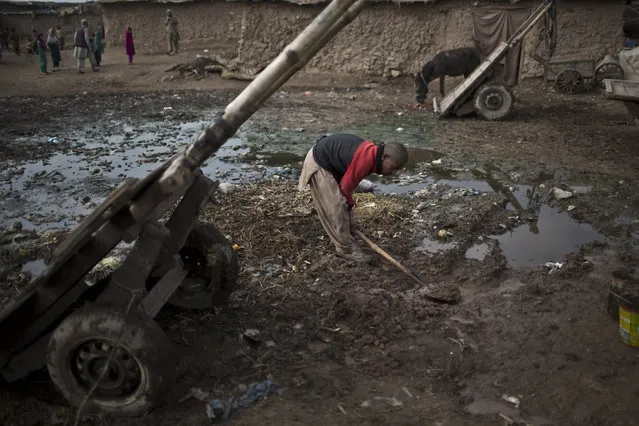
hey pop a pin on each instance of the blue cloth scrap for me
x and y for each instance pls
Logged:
(221, 408)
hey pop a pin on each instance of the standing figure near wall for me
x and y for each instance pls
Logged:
(172, 32)
(4, 39)
(60, 35)
(83, 47)
(15, 41)
(42, 49)
(98, 47)
(130, 47)
(54, 47)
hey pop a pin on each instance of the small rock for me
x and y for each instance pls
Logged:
(252, 335)
(436, 162)
(227, 188)
(16, 226)
(366, 186)
(424, 192)
(95, 171)
(511, 399)
(400, 129)
(571, 208)
(395, 73)
(421, 206)
(560, 194)
(86, 200)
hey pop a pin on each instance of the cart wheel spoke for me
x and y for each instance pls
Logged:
(569, 81)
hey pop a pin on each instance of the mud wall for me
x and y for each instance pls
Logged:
(25, 24)
(385, 37)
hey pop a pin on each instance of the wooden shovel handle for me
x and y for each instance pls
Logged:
(404, 269)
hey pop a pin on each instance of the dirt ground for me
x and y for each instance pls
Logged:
(354, 344)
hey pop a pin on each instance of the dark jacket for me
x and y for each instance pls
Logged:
(349, 159)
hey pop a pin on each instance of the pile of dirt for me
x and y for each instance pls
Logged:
(202, 66)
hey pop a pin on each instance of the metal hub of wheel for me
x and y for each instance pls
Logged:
(123, 374)
(194, 261)
(494, 101)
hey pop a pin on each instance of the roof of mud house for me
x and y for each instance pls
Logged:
(41, 8)
(313, 2)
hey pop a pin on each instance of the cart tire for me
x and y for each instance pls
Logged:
(213, 270)
(569, 82)
(142, 365)
(608, 70)
(494, 101)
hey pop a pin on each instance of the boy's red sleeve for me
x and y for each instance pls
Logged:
(362, 164)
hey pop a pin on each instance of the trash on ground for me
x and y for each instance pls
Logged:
(197, 393)
(221, 409)
(444, 233)
(110, 262)
(560, 194)
(511, 399)
(392, 401)
(399, 129)
(227, 188)
(554, 266)
(252, 335)
(308, 93)
(571, 208)
(436, 162)
(366, 186)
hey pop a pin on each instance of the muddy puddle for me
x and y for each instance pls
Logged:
(35, 267)
(60, 190)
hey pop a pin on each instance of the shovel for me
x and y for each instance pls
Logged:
(412, 275)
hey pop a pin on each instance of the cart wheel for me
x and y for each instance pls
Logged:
(608, 70)
(139, 371)
(569, 81)
(493, 101)
(213, 270)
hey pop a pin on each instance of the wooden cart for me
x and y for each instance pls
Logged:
(482, 91)
(99, 341)
(569, 75)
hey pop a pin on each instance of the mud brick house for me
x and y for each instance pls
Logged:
(397, 36)
(25, 16)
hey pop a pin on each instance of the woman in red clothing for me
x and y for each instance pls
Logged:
(128, 43)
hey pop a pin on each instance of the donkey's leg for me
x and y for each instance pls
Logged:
(441, 84)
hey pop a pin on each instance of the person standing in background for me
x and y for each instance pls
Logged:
(54, 47)
(15, 41)
(130, 48)
(60, 35)
(4, 39)
(83, 47)
(98, 47)
(172, 32)
(41, 47)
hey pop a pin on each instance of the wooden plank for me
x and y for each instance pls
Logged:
(163, 290)
(622, 90)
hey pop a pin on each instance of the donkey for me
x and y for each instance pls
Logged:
(453, 62)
